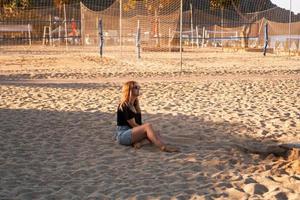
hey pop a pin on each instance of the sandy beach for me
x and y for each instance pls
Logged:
(58, 118)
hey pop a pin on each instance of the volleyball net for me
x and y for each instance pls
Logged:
(155, 23)
(120, 24)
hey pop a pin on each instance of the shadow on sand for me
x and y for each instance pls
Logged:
(71, 155)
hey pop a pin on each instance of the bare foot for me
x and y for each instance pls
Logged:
(137, 145)
(169, 149)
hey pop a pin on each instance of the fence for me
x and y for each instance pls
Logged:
(158, 27)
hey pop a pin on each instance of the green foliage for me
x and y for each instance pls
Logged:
(151, 5)
(11, 7)
(13, 4)
(223, 3)
(59, 3)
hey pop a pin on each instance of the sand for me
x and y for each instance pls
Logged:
(57, 114)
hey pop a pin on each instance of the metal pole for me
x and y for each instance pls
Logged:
(215, 30)
(120, 27)
(138, 40)
(158, 27)
(222, 25)
(203, 36)
(66, 30)
(266, 38)
(192, 28)
(50, 30)
(29, 34)
(59, 34)
(181, 8)
(197, 36)
(82, 24)
(169, 39)
(290, 21)
(101, 40)
(156, 34)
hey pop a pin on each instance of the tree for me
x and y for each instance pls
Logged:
(151, 5)
(222, 3)
(228, 3)
(59, 3)
(247, 27)
(13, 4)
(10, 7)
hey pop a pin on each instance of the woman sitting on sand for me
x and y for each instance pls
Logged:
(130, 129)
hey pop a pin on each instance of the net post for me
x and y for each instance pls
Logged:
(215, 30)
(101, 40)
(120, 27)
(44, 35)
(82, 24)
(50, 30)
(59, 34)
(138, 40)
(156, 23)
(66, 29)
(180, 46)
(192, 28)
(169, 39)
(29, 34)
(290, 21)
(222, 25)
(266, 38)
(203, 36)
(158, 29)
(197, 36)
(97, 25)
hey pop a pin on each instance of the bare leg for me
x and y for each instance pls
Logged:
(143, 132)
(145, 141)
(146, 131)
(159, 136)
(167, 147)
(141, 143)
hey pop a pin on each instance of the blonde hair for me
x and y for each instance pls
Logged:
(127, 95)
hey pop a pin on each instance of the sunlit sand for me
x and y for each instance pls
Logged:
(225, 111)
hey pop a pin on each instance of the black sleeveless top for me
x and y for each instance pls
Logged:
(126, 114)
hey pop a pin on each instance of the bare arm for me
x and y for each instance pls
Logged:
(132, 122)
(137, 105)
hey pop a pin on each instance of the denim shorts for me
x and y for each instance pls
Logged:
(123, 135)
